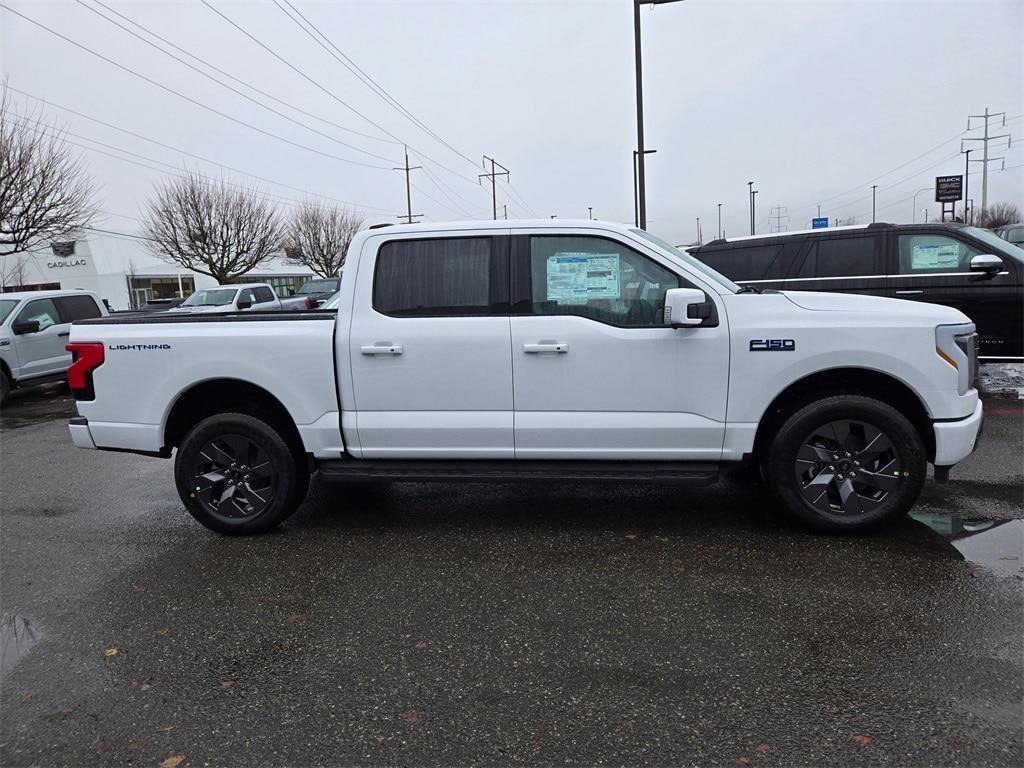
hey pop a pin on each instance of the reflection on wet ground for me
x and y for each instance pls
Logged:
(17, 636)
(994, 544)
(37, 405)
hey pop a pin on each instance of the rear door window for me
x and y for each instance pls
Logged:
(264, 294)
(929, 254)
(752, 262)
(77, 308)
(441, 277)
(841, 257)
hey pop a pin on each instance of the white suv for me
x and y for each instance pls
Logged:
(34, 329)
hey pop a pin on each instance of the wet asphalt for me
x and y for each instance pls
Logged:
(451, 624)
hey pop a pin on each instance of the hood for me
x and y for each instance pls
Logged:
(856, 302)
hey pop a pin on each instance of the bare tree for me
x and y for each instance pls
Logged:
(12, 272)
(45, 191)
(219, 229)
(998, 214)
(319, 235)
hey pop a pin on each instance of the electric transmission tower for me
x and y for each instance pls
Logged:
(985, 159)
(779, 218)
(409, 215)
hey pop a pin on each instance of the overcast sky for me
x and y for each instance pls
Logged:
(814, 101)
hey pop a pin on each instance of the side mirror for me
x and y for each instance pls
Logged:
(986, 262)
(244, 304)
(686, 307)
(26, 326)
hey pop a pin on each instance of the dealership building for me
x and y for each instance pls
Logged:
(122, 271)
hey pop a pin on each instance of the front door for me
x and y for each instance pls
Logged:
(596, 374)
(431, 371)
(42, 353)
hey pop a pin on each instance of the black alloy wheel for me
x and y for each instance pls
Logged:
(234, 478)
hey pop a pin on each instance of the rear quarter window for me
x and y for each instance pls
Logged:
(751, 262)
(74, 308)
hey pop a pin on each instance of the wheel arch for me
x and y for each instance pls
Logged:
(228, 395)
(850, 381)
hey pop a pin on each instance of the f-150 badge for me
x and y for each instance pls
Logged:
(772, 345)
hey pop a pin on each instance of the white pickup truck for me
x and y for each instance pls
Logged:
(537, 350)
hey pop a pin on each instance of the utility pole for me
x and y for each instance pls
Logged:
(408, 194)
(493, 176)
(985, 159)
(590, 212)
(967, 180)
(873, 188)
(779, 212)
(719, 221)
(750, 194)
(819, 210)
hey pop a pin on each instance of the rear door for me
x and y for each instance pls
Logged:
(429, 349)
(840, 263)
(42, 353)
(934, 264)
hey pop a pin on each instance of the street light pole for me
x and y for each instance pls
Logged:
(640, 175)
(923, 189)
(719, 221)
(873, 188)
(636, 207)
(590, 212)
(750, 194)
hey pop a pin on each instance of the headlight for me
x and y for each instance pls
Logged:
(958, 346)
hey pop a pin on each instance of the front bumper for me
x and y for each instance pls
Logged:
(956, 440)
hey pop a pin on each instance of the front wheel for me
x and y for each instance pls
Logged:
(847, 463)
(236, 475)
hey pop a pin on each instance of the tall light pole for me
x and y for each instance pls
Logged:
(636, 205)
(967, 181)
(590, 212)
(719, 221)
(873, 188)
(923, 189)
(750, 194)
(700, 240)
(640, 176)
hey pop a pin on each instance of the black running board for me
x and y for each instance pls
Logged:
(427, 470)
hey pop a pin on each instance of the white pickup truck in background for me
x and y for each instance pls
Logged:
(537, 350)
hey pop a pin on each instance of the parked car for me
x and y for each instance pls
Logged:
(312, 293)
(1012, 233)
(967, 268)
(552, 350)
(34, 328)
(161, 305)
(230, 298)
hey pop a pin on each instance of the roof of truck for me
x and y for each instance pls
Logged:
(458, 226)
(45, 294)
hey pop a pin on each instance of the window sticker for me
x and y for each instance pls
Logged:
(575, 278)
(942, 256)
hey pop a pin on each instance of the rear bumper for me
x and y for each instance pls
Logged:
(956, 440)
(80, 435)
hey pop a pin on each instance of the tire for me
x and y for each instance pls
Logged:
(236, 475)
(846, 464)
(5, 386)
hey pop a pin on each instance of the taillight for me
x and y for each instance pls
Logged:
(86, 357)
(309, 304)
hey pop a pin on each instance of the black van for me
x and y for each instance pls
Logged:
(964, 267)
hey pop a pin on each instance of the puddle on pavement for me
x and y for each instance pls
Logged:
(997, 545)
(17, 636)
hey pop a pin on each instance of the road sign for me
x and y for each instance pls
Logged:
(949, 189)
(820, 223)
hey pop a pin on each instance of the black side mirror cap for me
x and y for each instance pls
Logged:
(25, 326)
(244, 304)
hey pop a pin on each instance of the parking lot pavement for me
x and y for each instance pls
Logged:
(449, 624)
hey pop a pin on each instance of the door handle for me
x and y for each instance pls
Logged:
(536, 349)
(381, 349)
(908, 293)
(64, 333)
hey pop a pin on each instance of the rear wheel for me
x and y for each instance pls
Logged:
(846, 464)
(236, 475)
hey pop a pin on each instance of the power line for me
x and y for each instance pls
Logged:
(189, 99)
(232, 77)
(493, 176)
(191, 154)
(361, 74)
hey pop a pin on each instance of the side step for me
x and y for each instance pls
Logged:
(427, 470)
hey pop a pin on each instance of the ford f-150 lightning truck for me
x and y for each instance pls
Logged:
(537, 350)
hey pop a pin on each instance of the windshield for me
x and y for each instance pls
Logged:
(216, 297)
(6, 307)
(319, 286)
(688, 259)
(995, 242)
